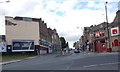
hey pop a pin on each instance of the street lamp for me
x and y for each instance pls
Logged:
(106, 11)
(107, 26)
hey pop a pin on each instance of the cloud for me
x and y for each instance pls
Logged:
(64, 15)
(2, 25)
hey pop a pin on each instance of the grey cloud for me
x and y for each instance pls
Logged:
(62, 34)
(68, 37)
(27, 7)
(72, 38)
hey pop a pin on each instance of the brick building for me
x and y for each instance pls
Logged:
(100, 37)
(103, 37)
(56, 43)
(115, 32)
(28, 34)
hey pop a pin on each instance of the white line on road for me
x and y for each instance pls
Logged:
(109, 63)
(90, 65)
(101, 64)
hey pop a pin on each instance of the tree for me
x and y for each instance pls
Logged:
(74, 44)
(63, 42)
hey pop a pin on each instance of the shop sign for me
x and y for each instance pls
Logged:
(3, 47)
(23, 45)
(115, 31)
(97, 34)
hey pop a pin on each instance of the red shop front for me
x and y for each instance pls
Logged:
(100, 45)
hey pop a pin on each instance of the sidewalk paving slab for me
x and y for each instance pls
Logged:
(58, 55)
(13, 61)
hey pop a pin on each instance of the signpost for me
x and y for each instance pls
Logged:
(3, 47)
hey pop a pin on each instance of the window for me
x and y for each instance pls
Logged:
(102, 34)
(102, 41)
(116, 42)
(113, 26)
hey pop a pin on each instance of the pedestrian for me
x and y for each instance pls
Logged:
(38, 51)
(83, 48)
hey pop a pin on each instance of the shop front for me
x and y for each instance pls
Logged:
(100, 45)
(115, 39)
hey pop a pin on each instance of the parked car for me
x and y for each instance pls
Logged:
(76, 51)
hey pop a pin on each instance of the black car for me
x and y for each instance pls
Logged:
(76, 51)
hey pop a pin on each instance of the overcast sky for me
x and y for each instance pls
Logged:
(68, 17)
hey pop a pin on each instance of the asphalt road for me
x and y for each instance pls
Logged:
(82, 61)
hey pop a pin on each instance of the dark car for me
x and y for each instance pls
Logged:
(76, 51)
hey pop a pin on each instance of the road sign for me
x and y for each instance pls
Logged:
(3, 47)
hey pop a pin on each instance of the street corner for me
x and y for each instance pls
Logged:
(14, 61)
(9, 62)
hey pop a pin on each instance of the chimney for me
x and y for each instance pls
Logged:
(43, 22)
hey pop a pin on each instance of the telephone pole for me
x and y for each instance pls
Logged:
(108, 38)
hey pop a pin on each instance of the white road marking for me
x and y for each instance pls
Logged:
(109, 63)
(101, 64)
(90, 65)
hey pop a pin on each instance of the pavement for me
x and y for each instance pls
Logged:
(13, 61)
(76, 61)
(58, 55)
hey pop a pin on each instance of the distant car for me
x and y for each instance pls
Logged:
(76, 51)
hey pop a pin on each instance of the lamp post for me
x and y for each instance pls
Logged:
(108, 39)
(106, 11)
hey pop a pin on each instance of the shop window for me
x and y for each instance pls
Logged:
(113, 26)
(116, 42)
(102, 41)
(103, 34)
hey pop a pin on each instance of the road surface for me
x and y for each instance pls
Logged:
(81, 61)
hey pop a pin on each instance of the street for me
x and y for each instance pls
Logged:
(60, 35)
(81, 61)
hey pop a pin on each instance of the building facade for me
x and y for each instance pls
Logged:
(22, 34)
(56, 43)
(28, 34)
(115, 32)
(100, 37)
(104, 37)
